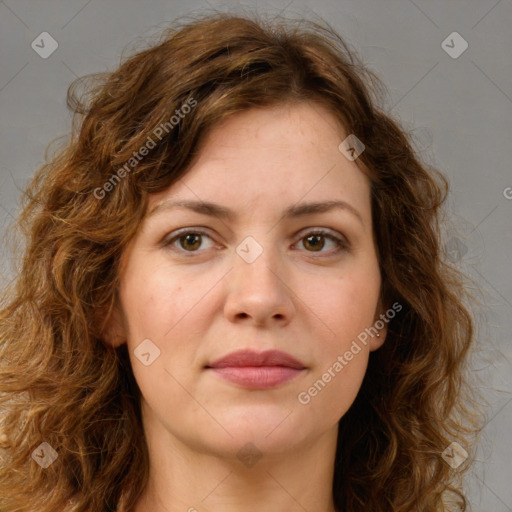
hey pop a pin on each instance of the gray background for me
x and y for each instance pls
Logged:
(458, 109)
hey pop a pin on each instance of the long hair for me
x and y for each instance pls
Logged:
(61, 384)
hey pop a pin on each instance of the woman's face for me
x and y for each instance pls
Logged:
(241, 268)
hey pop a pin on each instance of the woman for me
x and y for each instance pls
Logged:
(233, 295)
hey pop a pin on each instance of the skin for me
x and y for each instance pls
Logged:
(197, 300)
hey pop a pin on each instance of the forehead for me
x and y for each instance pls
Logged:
(273, 156)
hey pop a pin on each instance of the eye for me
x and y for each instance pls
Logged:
(188, 241)
(315, 241)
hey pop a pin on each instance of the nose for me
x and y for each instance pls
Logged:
(259, 293)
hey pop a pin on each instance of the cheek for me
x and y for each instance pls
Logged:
(170, 307)
(347, 305)
(347, 308)
(157, 298)
(161, 305)
(331, 393)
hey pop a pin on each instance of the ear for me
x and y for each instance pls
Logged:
(380, 324)
(112, 326)
(377, 341)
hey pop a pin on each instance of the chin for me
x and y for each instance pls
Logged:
(270, 433)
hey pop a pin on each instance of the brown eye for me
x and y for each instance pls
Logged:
(190, 241)
(315, 242)
(318, 241)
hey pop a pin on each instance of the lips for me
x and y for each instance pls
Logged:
(242, 358)
(257, 370)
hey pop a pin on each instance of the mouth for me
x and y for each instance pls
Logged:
(257, 370)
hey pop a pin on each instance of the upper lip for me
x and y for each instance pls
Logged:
(242, 358)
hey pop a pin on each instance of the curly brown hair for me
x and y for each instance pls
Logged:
(60, 382)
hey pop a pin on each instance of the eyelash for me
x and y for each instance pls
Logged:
(341, 244)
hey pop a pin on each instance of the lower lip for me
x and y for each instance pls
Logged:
(257, 377)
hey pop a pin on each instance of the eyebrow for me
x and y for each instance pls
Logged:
(216, 210)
